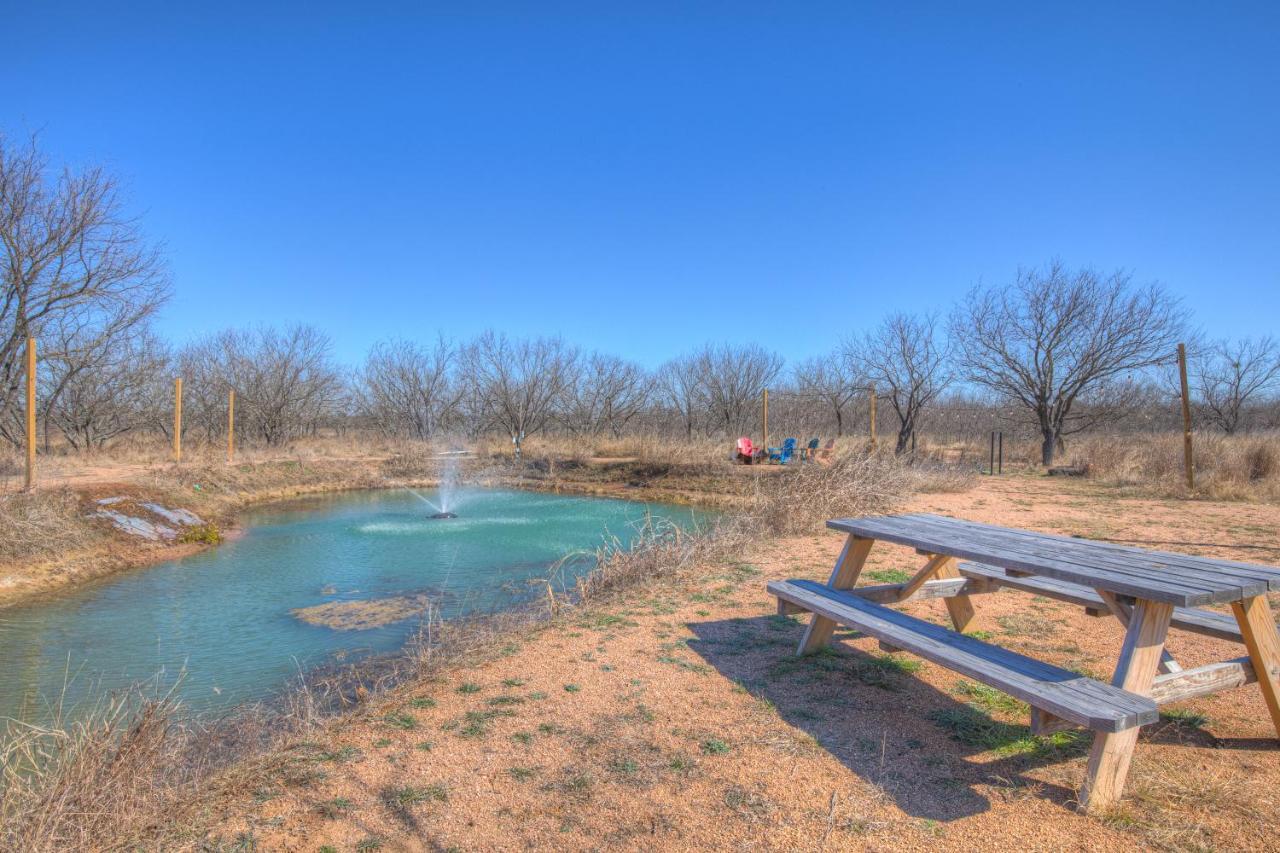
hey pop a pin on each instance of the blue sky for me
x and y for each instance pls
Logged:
(645, 178)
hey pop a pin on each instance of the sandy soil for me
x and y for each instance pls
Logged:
(679, 719)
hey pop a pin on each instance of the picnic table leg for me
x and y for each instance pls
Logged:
(1262, 640)
(1120, 610)
(844, 576)
(1136, 669)
(959, 606)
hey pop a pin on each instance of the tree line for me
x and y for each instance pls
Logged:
(1056, 349)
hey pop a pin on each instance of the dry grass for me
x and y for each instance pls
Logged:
(107, 779)
(1243, 467)
(41, 524)
(853, 484)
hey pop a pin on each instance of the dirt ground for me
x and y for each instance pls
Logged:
(679, 719)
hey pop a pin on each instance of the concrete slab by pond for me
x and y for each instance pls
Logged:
(165, 525)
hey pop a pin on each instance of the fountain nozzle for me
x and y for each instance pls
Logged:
(443, 515)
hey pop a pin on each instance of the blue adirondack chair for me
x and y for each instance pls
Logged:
(782, 455)
(807, 452)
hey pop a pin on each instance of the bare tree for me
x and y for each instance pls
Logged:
(518, 385)
(678, 385)
(1065, 344)
(606, 394)
(1230, 375)
(101, 386)
(832, 380)
(285, 382)
(908, 364)
(71, 257)
(733, 378)
(409, 389)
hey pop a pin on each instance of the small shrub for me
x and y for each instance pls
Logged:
(202, 534)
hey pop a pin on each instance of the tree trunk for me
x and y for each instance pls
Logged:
(1047, 448)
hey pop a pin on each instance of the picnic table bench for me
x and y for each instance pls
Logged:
(1147, 591)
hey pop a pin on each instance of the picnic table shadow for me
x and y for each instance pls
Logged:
(874, 716)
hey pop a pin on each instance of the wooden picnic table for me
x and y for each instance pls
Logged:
(1147, 591)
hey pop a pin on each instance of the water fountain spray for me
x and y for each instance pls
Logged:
(446, 490)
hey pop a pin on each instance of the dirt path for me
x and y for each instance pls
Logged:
(679, 719)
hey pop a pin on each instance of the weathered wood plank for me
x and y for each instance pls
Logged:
(1043, 723)
(1183, 580)
(891, 593)
(844, 575)
(1122, 611)
(1206, 622)
(931, 568)
(1263, 642)
(1254, 571)
(1116, 582)
(1112, 751)
(1061, 692)
(1088, 555)
(959, 607)
(786, 608)
(1202, 680)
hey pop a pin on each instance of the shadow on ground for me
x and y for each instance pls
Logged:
(889, 727)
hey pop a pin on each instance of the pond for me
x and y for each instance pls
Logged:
(238, 621)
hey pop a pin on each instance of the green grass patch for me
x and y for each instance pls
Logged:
(335, 808)
(973, 728)
(421, 702)
(691, 666)
(989, 699)
(400, 720)
(715, 746)
(1185, 717)
(412, 795)
(522, 774)
(468, 687)
(890, 576)
(572, 688)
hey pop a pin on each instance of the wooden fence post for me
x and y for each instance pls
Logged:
(31, 414)
(1186, 418)
(231, 425)
(764, 398)
(873, 417)
(177, 420)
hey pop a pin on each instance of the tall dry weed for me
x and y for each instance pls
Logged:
(40, 524)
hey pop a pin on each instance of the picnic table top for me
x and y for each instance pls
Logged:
(1179, 579)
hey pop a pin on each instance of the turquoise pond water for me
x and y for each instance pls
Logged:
(222, 618)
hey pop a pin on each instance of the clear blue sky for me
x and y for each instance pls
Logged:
(642, 181)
